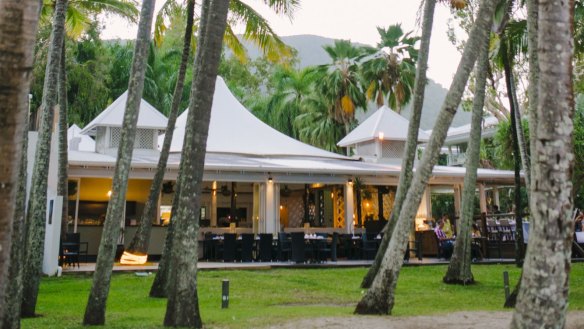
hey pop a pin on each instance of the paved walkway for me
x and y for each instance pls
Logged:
(204, 265)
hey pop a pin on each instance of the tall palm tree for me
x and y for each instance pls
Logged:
(182, 307)
(459, 270)
(391, 71)
(543, 296)
(406, 173)
(78, 19)
(95, 310)
(341, 82)
(379, 298)
(317, 127)
(37, 208)
(18, 25)
(139, 244)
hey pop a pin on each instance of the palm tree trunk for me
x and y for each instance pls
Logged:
(13, 295)
(139, 244)
(532, 14)
(405, 176)
(18, 26)
(159, 287)
(37, 210)
(95, 310)
(459, 270)
(63, 180)
(543, 298)
(515, 127)
(379, 299)
(183, 308)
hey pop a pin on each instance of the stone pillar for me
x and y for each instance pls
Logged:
(349, 207)
(256, 208)
(214, 205)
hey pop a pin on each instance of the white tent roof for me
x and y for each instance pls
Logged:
(233, 129)
(393, 126)
(113, 116)
(86, 143)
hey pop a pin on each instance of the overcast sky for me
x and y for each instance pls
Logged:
(355, 20)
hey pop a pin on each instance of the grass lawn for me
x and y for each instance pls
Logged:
(262, 297)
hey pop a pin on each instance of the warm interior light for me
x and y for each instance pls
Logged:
(350, 182)
(109, 193)
(281, 207)
(131, 259)
(332, 195)
(270, 179)
(381, 135)
(367, 204)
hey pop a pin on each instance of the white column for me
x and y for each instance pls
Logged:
(269, 208)
(77, 205)
(256, 208)
(482, 198)
(496, 197)
(349, 207)
(214, 204)
(425, 208)
(52, 234)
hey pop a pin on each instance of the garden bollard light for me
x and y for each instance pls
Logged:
(225, 294)
(506, 284)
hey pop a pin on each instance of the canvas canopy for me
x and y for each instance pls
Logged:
(113, 116)
(384, 122)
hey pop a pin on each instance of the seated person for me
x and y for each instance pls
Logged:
(445, 243)
(476, 232)
(448, 229)
(579, 221)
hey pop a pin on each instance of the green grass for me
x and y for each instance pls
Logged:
(263, 297)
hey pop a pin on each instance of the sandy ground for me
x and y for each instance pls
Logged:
(462, 320)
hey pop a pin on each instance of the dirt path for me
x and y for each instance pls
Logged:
(459, 320)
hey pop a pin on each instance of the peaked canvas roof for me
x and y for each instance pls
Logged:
(393, 126)
(86, 143)
(113, 116)
(233, 129)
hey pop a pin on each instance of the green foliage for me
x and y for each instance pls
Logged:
(503, 145)
(442, 204)
(262, 298)
(579, 153)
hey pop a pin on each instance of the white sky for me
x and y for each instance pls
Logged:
(355, 20)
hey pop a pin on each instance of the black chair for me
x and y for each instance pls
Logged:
(247, 241)
(284, 246)
(368, 246)
(298, 247)
(208, 247)
(265, 247)
(229, 247)
(71, 249)
(324, 250)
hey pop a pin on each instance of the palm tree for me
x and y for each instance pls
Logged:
(459, 270)
(182, 307)
(257, 28)
(18, 25)
(292, 90)
(316, 125)
(37, 208)
(95, 310)
(543, 296)
(406, 173)
(379, 298)
(78, 20)
(340, 85)
(139, 244)
(391, 71)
